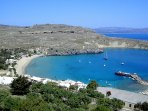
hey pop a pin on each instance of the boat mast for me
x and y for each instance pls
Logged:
(105, 57)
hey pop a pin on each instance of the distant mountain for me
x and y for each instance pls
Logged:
(2, 25)
(120, 30)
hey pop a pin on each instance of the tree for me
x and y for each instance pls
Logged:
(117, 104)
(137, 106)
(102, 108)
(73, 87)
(34, 102)
(144, 106)
(92, 85)
(108, 93)
(94, 94)
(12, 104)
(20, 86)
(29, 55)
(36, 87)
(3, 96)
(74, 102)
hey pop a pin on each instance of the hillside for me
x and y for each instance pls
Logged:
(61, 37)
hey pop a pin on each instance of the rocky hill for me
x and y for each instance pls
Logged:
(61, 37)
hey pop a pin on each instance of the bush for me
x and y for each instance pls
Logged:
(3, 96)
(50, 97)
(117, 104)
(36, 87)
(142, 106)
(12, 104)
(102, 108)
(73, 87)
(94, 94)
(34, 102)
(20, 86)
(92, 85)
(113, 104)
(108, 93)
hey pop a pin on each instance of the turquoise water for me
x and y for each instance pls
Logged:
(131, 36)
(91, 67)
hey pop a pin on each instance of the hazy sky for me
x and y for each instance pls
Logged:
(87, 13)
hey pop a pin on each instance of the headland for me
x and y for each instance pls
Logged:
(61, 39)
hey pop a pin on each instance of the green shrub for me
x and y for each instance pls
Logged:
(20, 86)
(92, 85)
(50, 97)
(102, 108)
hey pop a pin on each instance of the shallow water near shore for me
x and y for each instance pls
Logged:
(88, 67)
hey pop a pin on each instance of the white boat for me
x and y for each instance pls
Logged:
(122, 63)
(109, 84)
(105, 56)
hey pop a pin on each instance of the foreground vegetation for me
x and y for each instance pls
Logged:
(50, 97)
(141, 106)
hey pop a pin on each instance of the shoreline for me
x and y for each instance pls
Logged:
(126, 96)
(24, 61)
(22, 64)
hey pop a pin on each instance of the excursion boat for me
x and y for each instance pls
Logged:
(119, 73)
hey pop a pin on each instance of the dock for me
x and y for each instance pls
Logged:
(138, 79)
(133, 76)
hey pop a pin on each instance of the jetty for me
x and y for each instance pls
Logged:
(134, 76)
(138, 79)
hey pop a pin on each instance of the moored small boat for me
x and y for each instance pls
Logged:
(119, 73)
(122, 63)
(105, 56)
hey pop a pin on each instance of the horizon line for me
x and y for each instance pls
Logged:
(13, 25)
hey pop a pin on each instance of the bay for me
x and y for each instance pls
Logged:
(87, 67)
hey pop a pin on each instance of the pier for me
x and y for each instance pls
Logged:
(133, 76)
(138, 79)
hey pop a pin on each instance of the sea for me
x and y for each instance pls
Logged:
(87, 67)
(129, 36)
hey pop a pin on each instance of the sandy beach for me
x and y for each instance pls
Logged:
(23, 62)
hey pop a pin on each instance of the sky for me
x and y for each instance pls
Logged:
(86, 13)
